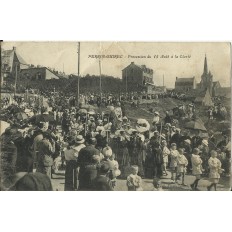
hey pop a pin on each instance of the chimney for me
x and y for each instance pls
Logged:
(176, 78)
(132, 62)
(14, 48)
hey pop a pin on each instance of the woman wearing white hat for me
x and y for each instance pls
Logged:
(71, 153)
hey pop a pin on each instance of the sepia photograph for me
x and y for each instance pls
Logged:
(115, 116)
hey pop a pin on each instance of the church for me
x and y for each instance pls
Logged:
(189, 85)
(207, 81)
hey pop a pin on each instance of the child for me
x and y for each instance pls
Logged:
(196, 167)
(116, 165)
(166, 153)
(157, 184)
(173, 164)
(182, 163)
(215, 170)
(133, 180)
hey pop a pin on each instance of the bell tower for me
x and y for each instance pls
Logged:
(206, 78)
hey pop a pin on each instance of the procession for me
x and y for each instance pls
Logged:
(107, 141)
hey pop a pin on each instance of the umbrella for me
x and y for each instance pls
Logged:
(41, 118)
(195, 125)
(3, 126)
(21, 116)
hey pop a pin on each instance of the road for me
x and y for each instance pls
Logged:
(168, 185)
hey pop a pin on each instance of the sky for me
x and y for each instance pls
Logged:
(181, 59)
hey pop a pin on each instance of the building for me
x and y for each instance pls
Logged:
(38, 73)
(135, 77)
(12, 63)
(185, 84)
(206, 79)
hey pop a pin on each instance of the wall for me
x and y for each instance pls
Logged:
(33, 74)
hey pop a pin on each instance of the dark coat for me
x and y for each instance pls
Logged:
(33, 182)
(102, 183)
(87, 161)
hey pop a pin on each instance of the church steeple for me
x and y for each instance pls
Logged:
(205, 66)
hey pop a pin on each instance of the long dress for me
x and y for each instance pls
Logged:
(123, 157)
(149, 164)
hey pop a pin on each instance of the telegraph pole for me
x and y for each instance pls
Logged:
(100, 79)
(16, 77)
(78, 75)
(126, 81)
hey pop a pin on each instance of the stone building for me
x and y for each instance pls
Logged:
(185, 84)
(12, 63)
(135, 77)
(37, 73)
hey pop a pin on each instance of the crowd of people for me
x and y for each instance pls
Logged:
(95, 148)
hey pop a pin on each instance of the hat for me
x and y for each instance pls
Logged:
(107, 152)
(156, 112)
(79, 139)
(100, 128)
(173, 144)
(205, 142)
(131, 131)
(187, 141)
(178, 129)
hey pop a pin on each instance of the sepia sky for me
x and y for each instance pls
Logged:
(64, 54)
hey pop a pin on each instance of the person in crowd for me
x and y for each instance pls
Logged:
(166, 153)
(156, 118)
(196, 162)
(157, 159)
(31, 182)
(182, 163)
(107, 153)
(173, 164)
(215, 170)
(87, 161)
(75, 144)
(204, 147)
(45, 151)
(102, 182)
(187, 152)
(176, 138)
(134, 181)
(157, 183)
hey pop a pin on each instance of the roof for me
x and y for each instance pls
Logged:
(139, 66)
(215, 83)
(8, 57)
(185, 79)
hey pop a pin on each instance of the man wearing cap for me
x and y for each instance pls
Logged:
(87, 160)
